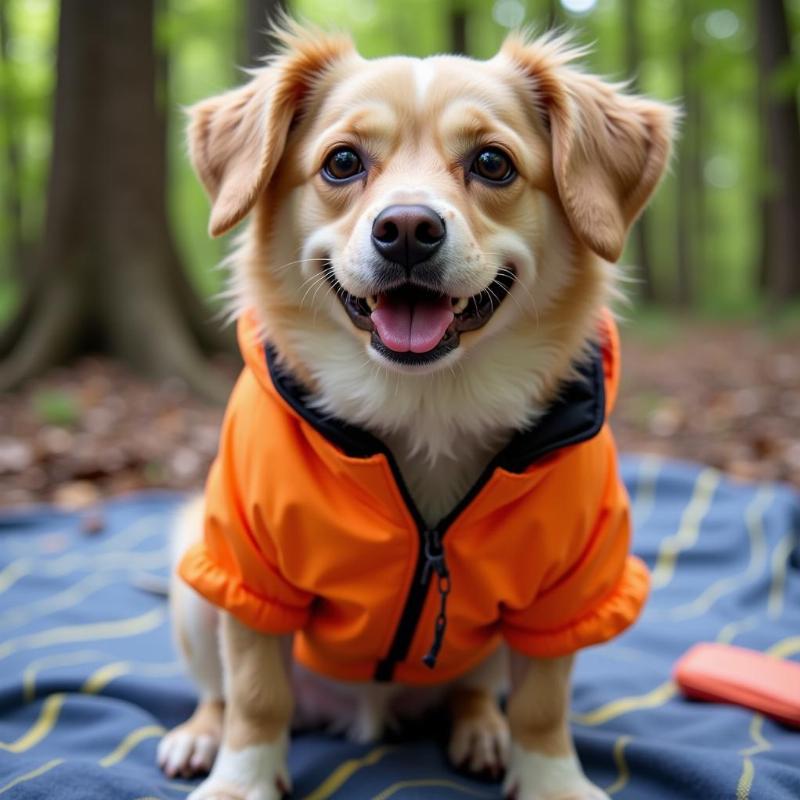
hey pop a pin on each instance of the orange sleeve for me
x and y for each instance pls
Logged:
(235, 564)
(595, 596)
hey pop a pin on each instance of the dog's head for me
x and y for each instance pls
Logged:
(413, 209)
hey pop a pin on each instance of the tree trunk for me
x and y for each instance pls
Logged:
(457, 22)
(690, 184)
(258, 15)
(781, 152)
(108, 262)
(641, 231)
(553, 14)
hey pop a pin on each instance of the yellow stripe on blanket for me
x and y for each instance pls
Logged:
(130, 742)
(785, 647)
(101, 677)
(345, 771)
(94, 631)
(754, 521)
(29, 776)
(624, 705)
(430, 783)
(623, 772)
(47, 720)
(689, 528)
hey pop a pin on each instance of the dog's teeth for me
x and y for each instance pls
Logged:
(372, 301)
(459, 304)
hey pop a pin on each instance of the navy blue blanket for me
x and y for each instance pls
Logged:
(89, 679)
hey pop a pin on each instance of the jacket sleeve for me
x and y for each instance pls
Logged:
(595, 594)
(235, 564)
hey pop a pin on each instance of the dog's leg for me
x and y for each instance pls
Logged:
(543, 763)
(479, 735)
(190, 748)
(251, 764)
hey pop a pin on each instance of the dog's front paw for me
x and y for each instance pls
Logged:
(186, 754)
(534, 776)
(256, 773)
(190, 749)
(479, 743)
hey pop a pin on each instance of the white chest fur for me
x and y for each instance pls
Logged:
(437, 484)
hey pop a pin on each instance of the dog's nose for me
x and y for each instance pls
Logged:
(407, 235)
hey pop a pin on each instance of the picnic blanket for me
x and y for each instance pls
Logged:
(89, 679)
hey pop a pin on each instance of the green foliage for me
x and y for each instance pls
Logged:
(56, 407)
(9, 297)
(199, 38)
(203, 42)
(27, 78)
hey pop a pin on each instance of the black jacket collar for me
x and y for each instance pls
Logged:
(575, 416)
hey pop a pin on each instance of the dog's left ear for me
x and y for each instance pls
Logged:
(237, 139)
(609, 149)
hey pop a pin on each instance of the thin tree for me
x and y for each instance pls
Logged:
(641, 231)
(780, 256)
(690, 149)
(457, 27)
(553, 13)
(108, 276)
(257, 17)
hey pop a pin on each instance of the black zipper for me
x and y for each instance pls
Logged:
(430, 561)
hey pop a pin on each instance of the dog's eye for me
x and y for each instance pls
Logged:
(342, 163)
(493, 165)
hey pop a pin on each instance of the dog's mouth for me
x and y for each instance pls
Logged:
(413, 324)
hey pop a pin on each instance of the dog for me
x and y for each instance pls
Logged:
(416, 502)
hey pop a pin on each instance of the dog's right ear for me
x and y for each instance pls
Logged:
(237, 139)
(609, 149)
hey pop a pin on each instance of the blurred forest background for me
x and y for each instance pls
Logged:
(103, 243)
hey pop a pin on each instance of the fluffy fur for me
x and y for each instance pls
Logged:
(588, 157)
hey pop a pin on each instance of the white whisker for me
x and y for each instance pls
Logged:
(299, 261)
(317, 282)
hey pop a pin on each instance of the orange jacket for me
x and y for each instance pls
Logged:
(309, 528)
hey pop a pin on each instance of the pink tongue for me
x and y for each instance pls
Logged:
(417, 328)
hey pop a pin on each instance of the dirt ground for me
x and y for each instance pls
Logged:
(723, 395)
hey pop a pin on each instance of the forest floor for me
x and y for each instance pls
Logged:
(722, 394)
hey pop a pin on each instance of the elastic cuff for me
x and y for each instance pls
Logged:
(262, 614)
(614, 614)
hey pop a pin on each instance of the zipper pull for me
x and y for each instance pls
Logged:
(434, 557)
(434, 560)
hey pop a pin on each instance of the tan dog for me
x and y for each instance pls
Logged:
(504, 188)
